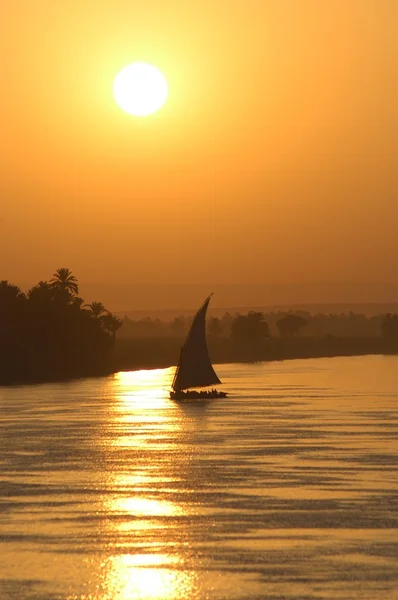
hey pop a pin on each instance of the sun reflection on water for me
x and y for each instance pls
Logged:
(146, 577)
(144, 426)
(153, 383)
(145, 507)
(142, 406)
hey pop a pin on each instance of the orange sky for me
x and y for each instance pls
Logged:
(274, 160)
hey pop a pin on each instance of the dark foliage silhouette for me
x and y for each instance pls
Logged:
(42, 293)
(250, 328)
(290, 324)
(255, 336)
(389, 330)
(64, 280)
(214, 327)
(97, 309)
(111, 324)
(344, 325)
(178, 326)
(47, 334)
(248, 335)
(11, 296)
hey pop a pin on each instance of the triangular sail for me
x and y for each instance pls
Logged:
(194, 368)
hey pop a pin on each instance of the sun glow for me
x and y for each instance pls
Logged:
(140, 89)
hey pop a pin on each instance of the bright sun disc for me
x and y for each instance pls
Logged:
(140, 89)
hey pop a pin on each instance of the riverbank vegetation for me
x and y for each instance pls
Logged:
(49, 333)
(258, 336)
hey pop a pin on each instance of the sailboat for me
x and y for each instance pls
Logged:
(194, 368)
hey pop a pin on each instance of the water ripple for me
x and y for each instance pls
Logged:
(287, 489)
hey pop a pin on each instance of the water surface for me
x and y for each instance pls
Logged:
(285, 490)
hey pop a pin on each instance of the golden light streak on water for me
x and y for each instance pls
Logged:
(151, 383)
(144, 507)
(143, 419)
(146, 577)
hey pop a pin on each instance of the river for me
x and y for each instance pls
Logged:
(287, 489)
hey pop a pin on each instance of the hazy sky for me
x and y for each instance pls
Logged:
(274, 160)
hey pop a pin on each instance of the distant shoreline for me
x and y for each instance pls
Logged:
(148, 354)
(152, 367)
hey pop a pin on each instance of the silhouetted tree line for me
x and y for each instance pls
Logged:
(259, 336)
(272, 324)
(48, 333)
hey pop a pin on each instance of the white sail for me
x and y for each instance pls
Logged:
(194, 368)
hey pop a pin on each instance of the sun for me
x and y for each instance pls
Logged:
(140, 89)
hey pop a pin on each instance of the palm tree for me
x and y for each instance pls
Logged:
(64, 281)
(12, 301)
(10, 293)
(42, 292)
(97, 309)
(77, 302)
(111, 324)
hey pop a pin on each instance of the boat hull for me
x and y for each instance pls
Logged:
(196, 395)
